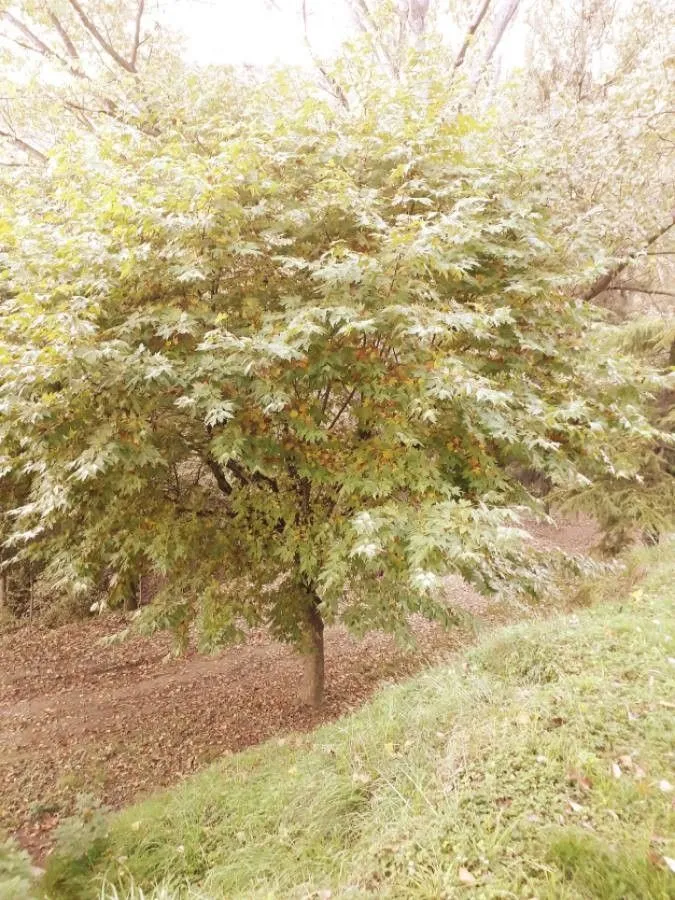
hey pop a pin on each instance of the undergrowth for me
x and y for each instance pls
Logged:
(539, 765)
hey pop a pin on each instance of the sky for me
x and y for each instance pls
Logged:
(252, 31)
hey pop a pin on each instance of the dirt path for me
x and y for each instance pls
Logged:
(113, 722)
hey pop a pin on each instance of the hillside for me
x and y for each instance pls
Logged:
(539, 765)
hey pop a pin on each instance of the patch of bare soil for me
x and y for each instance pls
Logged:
(116, 722)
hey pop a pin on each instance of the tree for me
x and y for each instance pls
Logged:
(286, 354)
(70, 64)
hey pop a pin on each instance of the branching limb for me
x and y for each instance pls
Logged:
(344, 406)
(604, 282)
(471, 31)
(71, 49)
(137, 33)
(333, 85)
(20, 144)
(100, 39)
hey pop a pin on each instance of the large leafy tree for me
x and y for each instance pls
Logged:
(292, 355)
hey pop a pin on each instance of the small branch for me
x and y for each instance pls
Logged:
(218, 474)
(368, 26)
(603, 283)
(240, 473)
(38, 43)
(324, 402)
(344, 406)
(501, 30)
(472, 29)
(335, 88)
(100, 39)
(65, 37)
(23, 145)
(137, 33)
(638, 290)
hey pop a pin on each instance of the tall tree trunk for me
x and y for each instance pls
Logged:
(313, 675)
(3, 591)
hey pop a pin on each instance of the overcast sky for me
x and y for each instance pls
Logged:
(236, 31)
(251, 31)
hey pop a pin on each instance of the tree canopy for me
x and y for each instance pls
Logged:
(293, 353)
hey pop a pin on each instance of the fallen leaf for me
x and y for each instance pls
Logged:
(465, 876)
(616, 770)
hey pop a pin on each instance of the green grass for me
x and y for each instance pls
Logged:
(492, 778)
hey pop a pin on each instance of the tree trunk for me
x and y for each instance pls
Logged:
(3, 591)
(131, 598)
(313, 675)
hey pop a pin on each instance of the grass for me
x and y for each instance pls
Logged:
(538, 766)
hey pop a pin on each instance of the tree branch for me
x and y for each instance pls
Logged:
(100, 39)
(344, 406)
(501, 30)
(239, 472)
(472, 29)
(603, 283)
(38, 43)
(137, 33)
(218, 474)
(39, 46)
(639, 290)
(365, 21)
(23, 145)
(335, 88)
(65, 37)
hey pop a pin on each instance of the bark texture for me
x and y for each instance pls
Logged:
(313, 675)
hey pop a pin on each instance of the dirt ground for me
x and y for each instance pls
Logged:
(115, 722)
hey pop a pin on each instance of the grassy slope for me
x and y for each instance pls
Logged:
(493, 778)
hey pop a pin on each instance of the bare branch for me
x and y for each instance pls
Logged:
(137, 33)
(604, 282)
(472, 29)
(335, 88)
(501, 30)
(634, 288)
(344, 406)
(101, 40)
(365, 21)
(65, 37)
(24, 145)
(38, 44)
(218, 474)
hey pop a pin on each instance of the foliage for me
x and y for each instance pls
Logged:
(538, 764)
(17, 880)
(285, 353)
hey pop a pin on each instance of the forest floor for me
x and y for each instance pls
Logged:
(80, 719)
